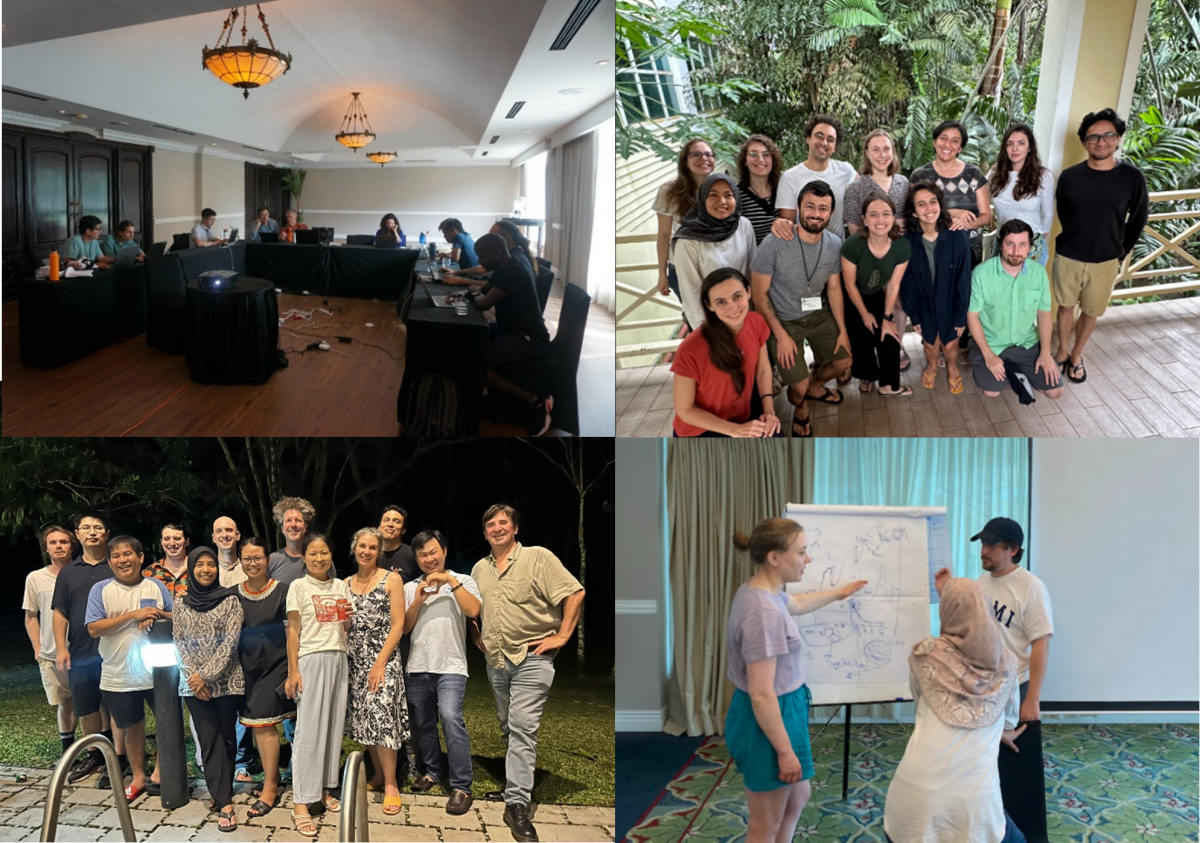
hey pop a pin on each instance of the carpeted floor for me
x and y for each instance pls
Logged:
(1105, 784)
(645, 760)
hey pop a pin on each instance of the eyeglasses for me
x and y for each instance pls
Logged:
(697, 155)
(90, 529)
(758, 155)
(1108, 136)
(254, 559)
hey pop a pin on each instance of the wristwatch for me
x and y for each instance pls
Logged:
(891, 317)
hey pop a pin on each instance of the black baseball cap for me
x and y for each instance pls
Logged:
(1001, 529)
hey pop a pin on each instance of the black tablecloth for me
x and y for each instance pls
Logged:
(232, 336)
(65, 320)
(441, 342)
(290, 266)
(165, 280)
(364, 272)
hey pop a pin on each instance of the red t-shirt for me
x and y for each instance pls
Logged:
(714, 388)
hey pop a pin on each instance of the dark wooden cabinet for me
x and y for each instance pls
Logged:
(53, 180)
(264, 188)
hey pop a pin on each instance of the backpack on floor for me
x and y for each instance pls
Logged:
(435, 409)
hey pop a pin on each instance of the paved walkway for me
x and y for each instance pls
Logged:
(87, 814)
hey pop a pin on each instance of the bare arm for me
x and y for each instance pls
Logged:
(803, 604)
(572, 608)
(663, 249)
(395, 593)
(63, 655)
(686, 409)
(1039, 655)
(34, 630)
(762, 376)
(760, 288)
(849, 276)
(760, 676)
(983, 201)
(293, 648)
(836, 307)
(893, 288)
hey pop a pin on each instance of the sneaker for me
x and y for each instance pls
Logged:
(516, 817)
(85, 766)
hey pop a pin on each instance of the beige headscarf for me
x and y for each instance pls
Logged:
(966, 674)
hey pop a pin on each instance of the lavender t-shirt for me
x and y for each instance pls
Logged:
(760, 628)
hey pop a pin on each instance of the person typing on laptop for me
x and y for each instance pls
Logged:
(123, 239)
(203, 235)
(83, 249)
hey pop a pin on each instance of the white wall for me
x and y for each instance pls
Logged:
(1113, 536)
(640, 586)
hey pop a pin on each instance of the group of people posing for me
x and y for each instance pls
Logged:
(972, 769)
(267, 639)
(766, 259)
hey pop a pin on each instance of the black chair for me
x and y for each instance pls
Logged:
(556, 373)
(181, 242)
(360, 239)
(543, 282)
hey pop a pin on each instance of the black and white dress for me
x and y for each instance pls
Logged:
(380, 718)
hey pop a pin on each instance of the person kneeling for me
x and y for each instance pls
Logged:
(947, 788)
(715, 365)
(1009, 317)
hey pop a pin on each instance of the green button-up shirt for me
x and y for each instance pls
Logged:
(1008, 307)
(110, 244)
(76, 248)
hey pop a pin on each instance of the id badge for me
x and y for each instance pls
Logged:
(810, 303)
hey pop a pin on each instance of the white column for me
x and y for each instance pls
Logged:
(1061, 43)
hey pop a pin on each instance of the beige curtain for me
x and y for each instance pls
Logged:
(571, 206)
(716, 487)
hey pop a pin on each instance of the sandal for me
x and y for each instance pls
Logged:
(904, 390)
(956, 385)
(801, 428)
(241, 775)
(332, 805)
(391, 805)
(227, 815)
(261, 808)
(866, 386)
(826, 396)
(1078, 367)
(929, 379)
(905, 362)
(305, 824)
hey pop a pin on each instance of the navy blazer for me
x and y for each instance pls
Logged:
(939, 309)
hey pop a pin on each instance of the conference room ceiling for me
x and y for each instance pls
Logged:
(436, 79)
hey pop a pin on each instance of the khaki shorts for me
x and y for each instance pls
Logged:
(1088, 285)
(55, 684)
(821, 331)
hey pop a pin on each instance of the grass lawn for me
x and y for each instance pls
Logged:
(576, 761)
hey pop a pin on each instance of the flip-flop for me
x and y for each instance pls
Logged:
(956, 385)
(866, 386)
(905, 361)
(132, 793)
(1078, 367)
(929, 381)
(227, 815)
(904, 390)
(802, 424)
(261, 808)
(827, 396)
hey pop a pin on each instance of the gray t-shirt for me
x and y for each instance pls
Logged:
(930, 245)
(288, 569)
(797, 269)
(439, 637)
(760, 628)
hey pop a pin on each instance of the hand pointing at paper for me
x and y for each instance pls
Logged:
(848, 589)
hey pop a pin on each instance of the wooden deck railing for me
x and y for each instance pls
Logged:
(1131, 272)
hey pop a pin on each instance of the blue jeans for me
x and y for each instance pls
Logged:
(434, 695)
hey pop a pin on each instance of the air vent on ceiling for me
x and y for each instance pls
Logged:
(27, 96)
(580, 14)
(255, 148)
(512, 112)
(494, 139)
(173, 129)
(485, 153)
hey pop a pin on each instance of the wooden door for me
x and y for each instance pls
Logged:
(94, 184)
(264, 188)
(12, 168)
(51, 197)
(131, 191)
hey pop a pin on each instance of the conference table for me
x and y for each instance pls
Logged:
(232, 336)
(442, 342)
(65, 320)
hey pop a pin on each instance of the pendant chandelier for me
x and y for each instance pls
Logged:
(246, 65)
(356, 131)
(381, 158)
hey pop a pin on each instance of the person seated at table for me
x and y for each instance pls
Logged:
(263, 222)
(110, 244)
(518, 334)
(389, 225)
(85, 246)
(462, 247)
(287, 234)
(203, 235)
(518, 249)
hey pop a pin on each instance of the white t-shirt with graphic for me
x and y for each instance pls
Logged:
(123, 668)
(316, 601)
(1020, 604)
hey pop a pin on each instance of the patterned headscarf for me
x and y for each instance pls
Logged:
(966, 674)
(699, 224)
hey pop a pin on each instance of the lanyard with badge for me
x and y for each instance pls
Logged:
(810, 302)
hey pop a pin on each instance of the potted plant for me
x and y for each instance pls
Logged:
(293, 182)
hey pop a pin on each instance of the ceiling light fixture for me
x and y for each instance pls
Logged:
(246, 65)
(570, 91)
(602, 62)
(353, 135)
(381, 158)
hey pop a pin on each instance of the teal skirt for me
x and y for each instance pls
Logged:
(752, 751)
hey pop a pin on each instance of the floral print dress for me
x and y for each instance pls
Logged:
(380, 718)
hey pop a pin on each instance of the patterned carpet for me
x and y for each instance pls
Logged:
(1105, 784)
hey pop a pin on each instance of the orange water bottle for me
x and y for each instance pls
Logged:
(54, 266)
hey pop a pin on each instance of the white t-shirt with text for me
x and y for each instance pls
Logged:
(316, 601)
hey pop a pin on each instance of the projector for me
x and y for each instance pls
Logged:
(217, 279)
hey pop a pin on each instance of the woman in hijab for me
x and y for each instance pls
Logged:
(208, 628)
(713, 235)
(947, 787)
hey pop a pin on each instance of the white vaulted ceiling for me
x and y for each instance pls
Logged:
(436, 79)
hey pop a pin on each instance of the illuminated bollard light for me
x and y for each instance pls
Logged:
(160, 654)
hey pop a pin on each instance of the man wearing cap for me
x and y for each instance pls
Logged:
(1021, 606)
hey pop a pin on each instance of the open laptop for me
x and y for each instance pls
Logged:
(308, 237)
(438, 300)
(233, 234)
(387, 241)
(156, 250)
(268, 237)
(126, 257)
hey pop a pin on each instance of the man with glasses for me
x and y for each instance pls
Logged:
(1103, 206)
(822, 135)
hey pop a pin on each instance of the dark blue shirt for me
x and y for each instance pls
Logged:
(399, 234)
(70, 599)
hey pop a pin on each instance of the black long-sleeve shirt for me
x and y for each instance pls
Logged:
(1093, 206)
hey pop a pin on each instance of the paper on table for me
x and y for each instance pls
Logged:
(72, 272)
(939, 550)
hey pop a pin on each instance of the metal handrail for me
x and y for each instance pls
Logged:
(59, 778)
(353, 821)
